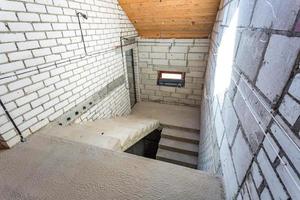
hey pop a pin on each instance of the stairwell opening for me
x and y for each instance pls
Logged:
(147, 146)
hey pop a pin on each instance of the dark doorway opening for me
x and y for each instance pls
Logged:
(131, 76)
(146, 147)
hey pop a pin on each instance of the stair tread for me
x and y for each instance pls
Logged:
(178, 145)
(180, 134)
(183, 158)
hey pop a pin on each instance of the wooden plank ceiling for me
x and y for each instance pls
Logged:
(172, 18)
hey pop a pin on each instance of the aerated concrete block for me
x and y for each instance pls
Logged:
(250, 52)
(278, 64)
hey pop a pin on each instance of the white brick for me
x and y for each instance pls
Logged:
(42, 26)
(15, 26)
(3, 58)
(33, 113)
(46, 90)
(28, 17)
(11, 37)
(52, 58)
(8, 135)
(54, 34)
(41, 52)
(19, 55)
(36, 8)
(47, 2)
(27, 45)
(34, 87)
(10, 67)
(12, 5)
(56, 93)
(6, 127)
(3, 89)
(35, 35)
(40, 101)
(48, 18)
(8, 16)
(40, 77)
(55, 115)
(26, 99)
(294, 88)
(20, 111)
(46, 113)
(7, 47)
(48, 43)
(51, 103)
(34, 62)
(19, 84)
(11, 96)
(54, 10)
(27, 124)
(61, 3)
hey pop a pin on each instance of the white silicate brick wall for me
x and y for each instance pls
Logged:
(44, 71)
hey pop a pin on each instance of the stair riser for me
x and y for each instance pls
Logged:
(177, 162)
(179, 150)
(180, 139)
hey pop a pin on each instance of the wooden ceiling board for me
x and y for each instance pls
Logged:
(172, 18)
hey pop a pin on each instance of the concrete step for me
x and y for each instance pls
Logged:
(180, 135)
(178, 146)
(177, 158)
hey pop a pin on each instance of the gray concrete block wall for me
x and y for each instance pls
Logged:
(252, 109)
(182, 55)
(44, 71)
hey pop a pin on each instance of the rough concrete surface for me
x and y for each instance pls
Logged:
(171, 115)
(47, 167)
(115, 134)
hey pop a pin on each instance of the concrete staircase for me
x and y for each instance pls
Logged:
(179, 146)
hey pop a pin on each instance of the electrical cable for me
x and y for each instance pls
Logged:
(12, 121)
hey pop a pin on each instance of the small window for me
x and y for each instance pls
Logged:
(173, 79)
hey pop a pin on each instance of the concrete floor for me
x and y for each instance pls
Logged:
(171, 115)
(47, 167)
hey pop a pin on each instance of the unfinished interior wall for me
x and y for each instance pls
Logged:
(251, 100)
(45, 72)
(175, 55)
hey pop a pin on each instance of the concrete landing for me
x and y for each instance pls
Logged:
(52, 168)
(115, 134)
(170, 115)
